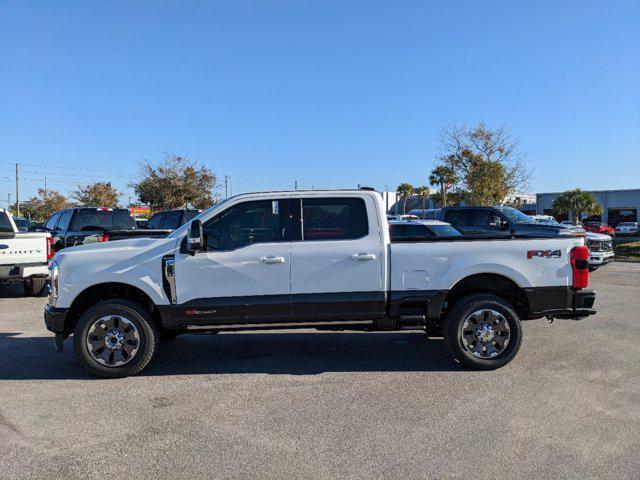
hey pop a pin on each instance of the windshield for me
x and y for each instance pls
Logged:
(183, 228)
(102, 220)
(548, 221)
(515, 216)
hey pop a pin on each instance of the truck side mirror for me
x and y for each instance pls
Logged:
(195, 240)
(504, 225)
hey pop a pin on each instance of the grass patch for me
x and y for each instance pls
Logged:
(627, 248)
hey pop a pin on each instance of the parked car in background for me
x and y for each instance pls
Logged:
(426, 214)
(548, 219)
(303, 259)
(569, 223)
(419, 230)
(24, 256)
(627, 228)
(501, 221)
(171, 219)
(22, 224)
(77, 226)
(598, 227)
(404, 216)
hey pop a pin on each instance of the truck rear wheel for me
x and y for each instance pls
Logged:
(33, 287)
(116, 338)
(483, 331)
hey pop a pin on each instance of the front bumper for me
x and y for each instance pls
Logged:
(56, 321)
(597, 259)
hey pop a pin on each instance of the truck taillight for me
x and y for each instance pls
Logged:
(580, 266)
(50, 252)
(103, 237)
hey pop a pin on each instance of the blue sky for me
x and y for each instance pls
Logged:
(331, 94)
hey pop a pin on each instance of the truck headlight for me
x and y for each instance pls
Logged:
(54, 273)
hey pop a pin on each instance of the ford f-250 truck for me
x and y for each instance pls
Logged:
(320, 259)
(24, 256)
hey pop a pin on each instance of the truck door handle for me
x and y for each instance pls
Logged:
(271, 260)
(363, 256)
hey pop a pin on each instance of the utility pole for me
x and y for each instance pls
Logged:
(9, 201)
(295, 185)
(226, 186)
(386, 198)
(17, 191)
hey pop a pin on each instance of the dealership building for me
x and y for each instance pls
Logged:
(617, 205)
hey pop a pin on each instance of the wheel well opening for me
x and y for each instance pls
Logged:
(489, 283)
(103, 292)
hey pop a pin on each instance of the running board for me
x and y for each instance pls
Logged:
(275, 326)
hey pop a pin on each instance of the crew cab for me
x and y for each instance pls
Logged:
(80, 225)
(300, 259)
(24, 256)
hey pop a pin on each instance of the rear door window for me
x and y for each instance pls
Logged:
(334, 218)
(92, 220)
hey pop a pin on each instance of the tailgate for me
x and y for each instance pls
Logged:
(23, 248)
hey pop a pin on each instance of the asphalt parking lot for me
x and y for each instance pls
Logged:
(330, 405)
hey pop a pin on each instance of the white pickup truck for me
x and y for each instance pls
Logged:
(319, 259)
(24, 256)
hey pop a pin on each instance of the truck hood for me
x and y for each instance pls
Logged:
(96, 255)
(598, 236)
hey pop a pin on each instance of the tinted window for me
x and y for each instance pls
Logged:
(65, 219)
(190, 215)
(459, 217)
(444, 231)
(5, 224)
(245, 224)
(334, 218)
(51, 223)
(486, 218)
(155, 221)
(89, 219)
(172, 219)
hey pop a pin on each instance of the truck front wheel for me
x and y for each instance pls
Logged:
(483, 331)
(116, 338)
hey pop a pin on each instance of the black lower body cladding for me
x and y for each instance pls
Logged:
(560, 302)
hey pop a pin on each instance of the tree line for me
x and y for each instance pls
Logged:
(177, 182)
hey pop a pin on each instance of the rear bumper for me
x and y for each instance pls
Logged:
(560, 302)
(10, 273)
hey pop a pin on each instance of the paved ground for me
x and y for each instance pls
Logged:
(331, 405)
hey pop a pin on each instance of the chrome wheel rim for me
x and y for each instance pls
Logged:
(113, 340)
(485, 333)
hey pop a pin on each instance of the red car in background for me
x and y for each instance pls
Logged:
(599, 227)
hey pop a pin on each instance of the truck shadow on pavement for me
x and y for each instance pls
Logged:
(34, 358)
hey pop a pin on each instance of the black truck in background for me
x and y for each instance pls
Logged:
(500, 221)
(80, 225)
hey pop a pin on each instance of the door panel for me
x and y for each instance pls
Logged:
(334, 277)
(244, 276)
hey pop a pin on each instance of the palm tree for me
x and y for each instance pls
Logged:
(404, 191)
(445, 178)
(577, 202)
(423, 192)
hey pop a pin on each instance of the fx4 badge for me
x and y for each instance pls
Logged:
(544, 254)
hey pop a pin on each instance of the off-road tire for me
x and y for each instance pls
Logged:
(146, 327)
(454, 322)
